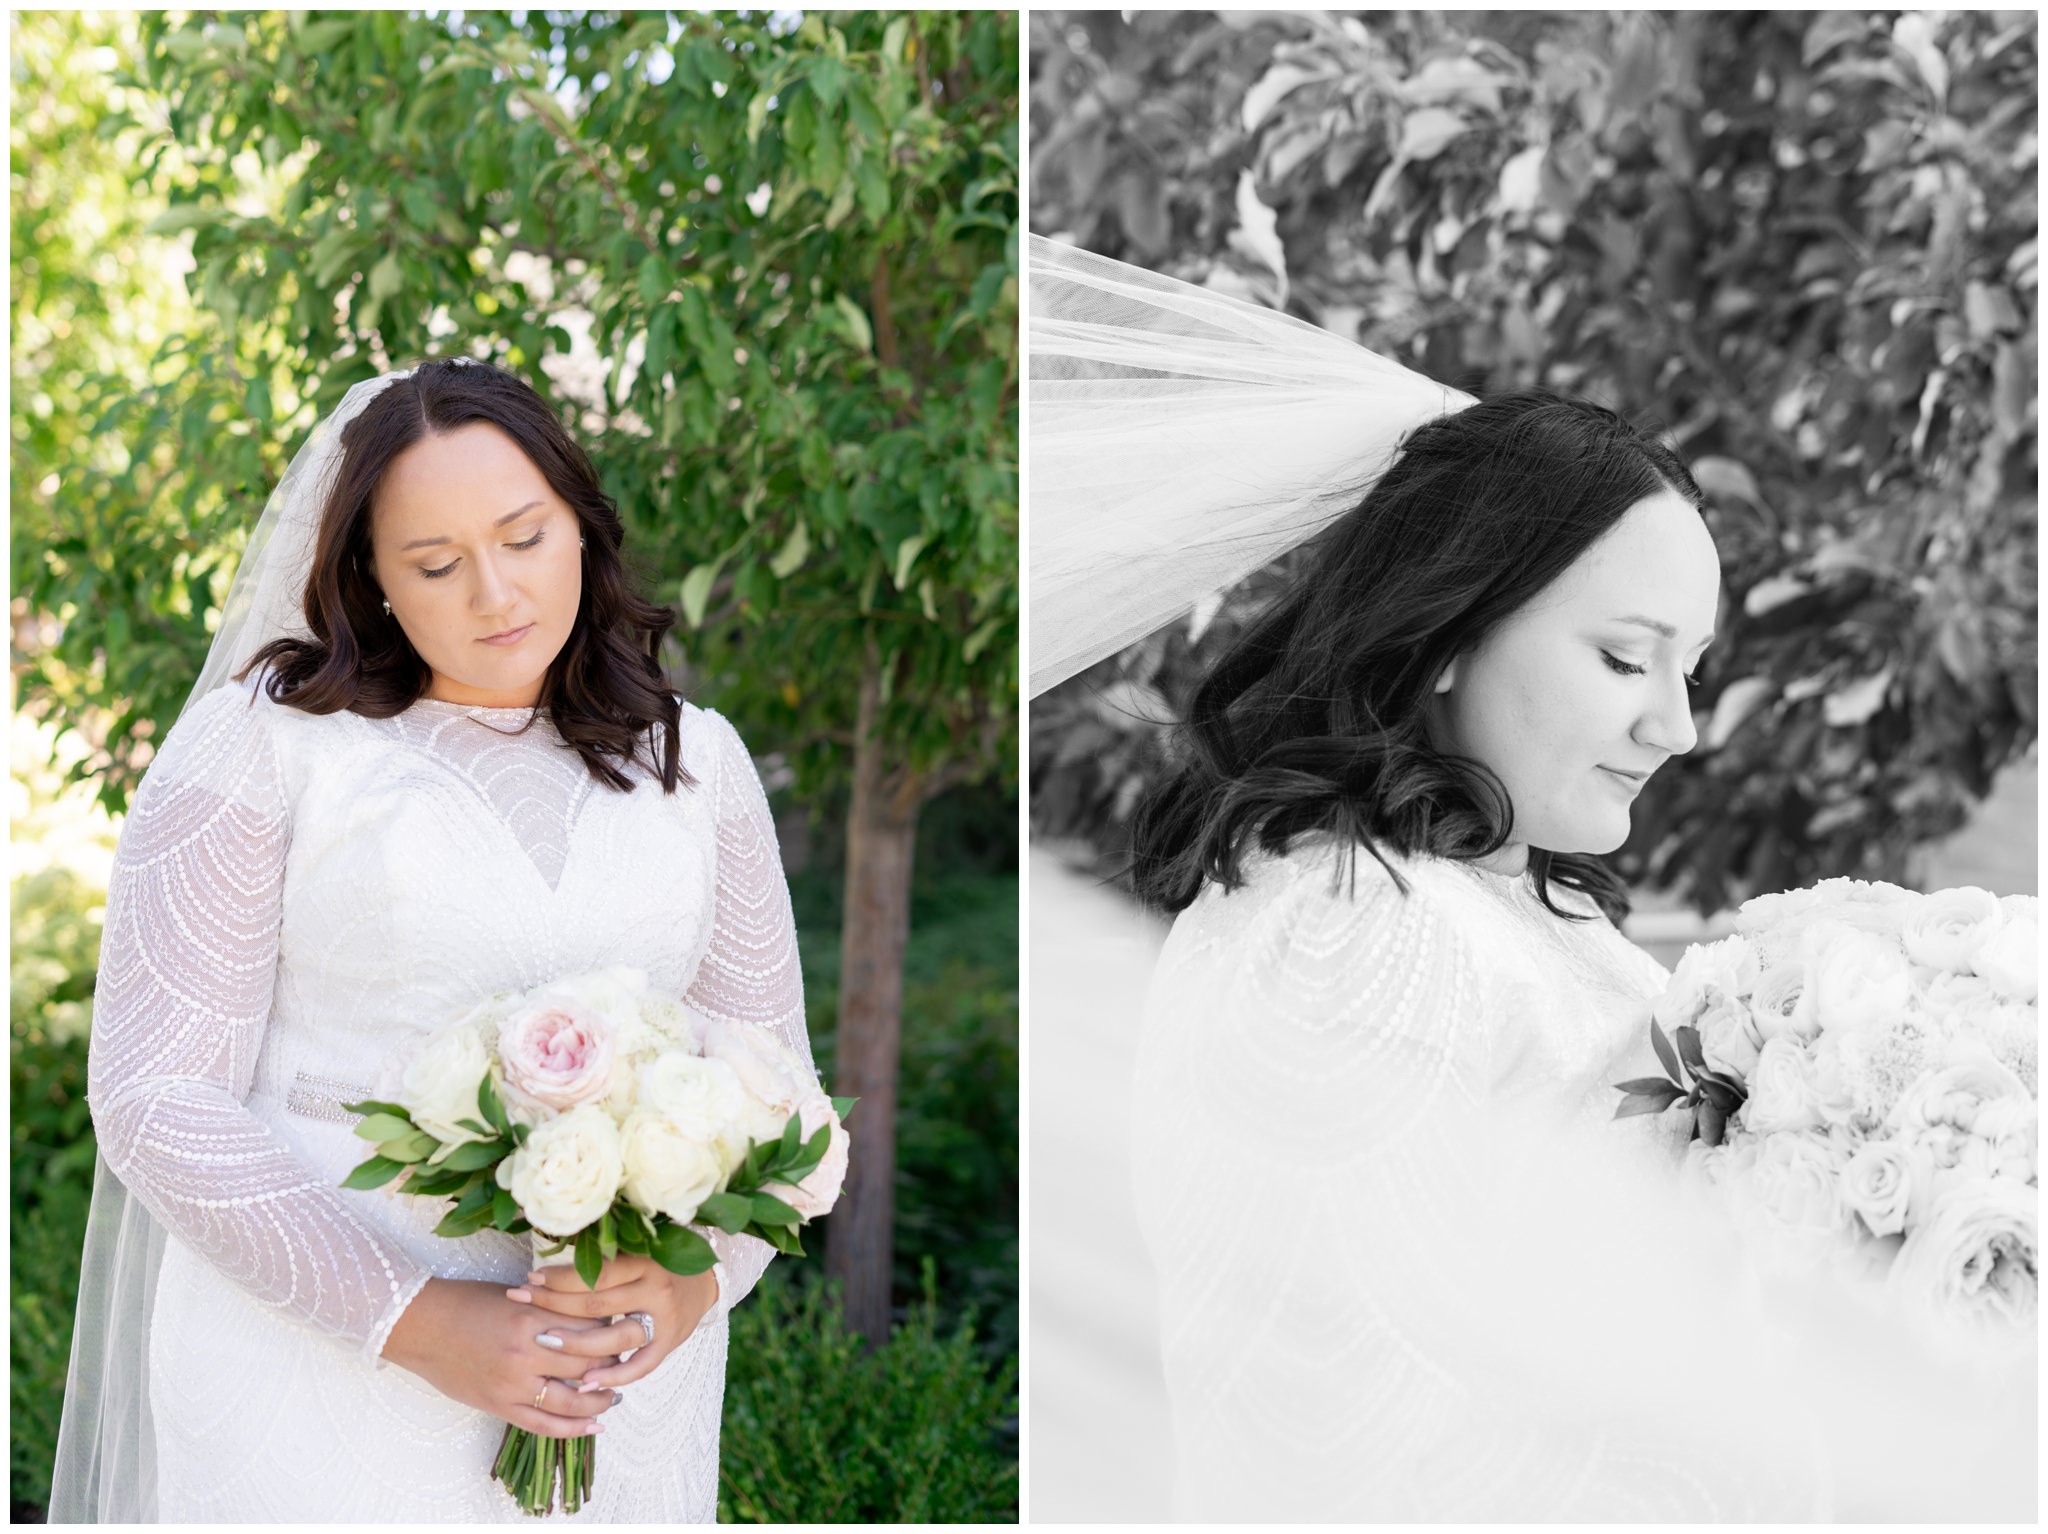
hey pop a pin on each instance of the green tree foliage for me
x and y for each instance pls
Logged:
(767, 265)
(1804, 243)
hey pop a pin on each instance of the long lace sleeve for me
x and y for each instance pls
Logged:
(750, 973)
(187, 967)
(1354, 1323)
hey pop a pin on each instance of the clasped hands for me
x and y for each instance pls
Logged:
(478, 1343)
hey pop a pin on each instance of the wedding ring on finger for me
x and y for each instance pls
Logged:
(646, 1325)
(541, 1394)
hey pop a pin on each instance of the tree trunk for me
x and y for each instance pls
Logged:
(880, 843)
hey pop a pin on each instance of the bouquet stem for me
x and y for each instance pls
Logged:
(533, 1469)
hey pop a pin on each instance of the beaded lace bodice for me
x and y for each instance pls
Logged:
(1336, 1085)
(294, 899)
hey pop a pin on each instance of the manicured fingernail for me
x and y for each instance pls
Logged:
(519, 1296)
(618, 1397)
(587, 1386)
(550, 1340)
(596, 1426)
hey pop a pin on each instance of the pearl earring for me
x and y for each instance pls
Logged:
(387, 607)
(579, 543)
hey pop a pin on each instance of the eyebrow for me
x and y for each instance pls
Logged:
(1652, 623)
(510, 516)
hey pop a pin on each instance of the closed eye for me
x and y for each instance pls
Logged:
(435, 575)
(1622, 666)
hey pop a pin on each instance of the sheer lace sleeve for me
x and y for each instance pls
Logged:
(750, 972)
(1354, 1326)
(187, 966)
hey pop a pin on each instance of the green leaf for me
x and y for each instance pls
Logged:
(728, 1211)
(697, 592)
(374, 1173)
(607, 1237)
(384, 1126)
(504, 1208)
(906, 555)
(770, 1210)
(386, 277)
(1647, 1085)
(370, 1105)
(416, 1146)
(792, 1137)
(1648, 1102)
(1689, 1049)
(473, 1126)
(180, 217)
(1665, 1053)
(589, 1259)
(475, 1155)
(843, 1106)
(493, 1110)
(682, 1251)
(856, 321)
(783, 1238)
(794, 553)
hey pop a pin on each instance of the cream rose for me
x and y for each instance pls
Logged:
(1945, 930)
(555, 1054)
(703, 1098)
(1780, 1003)
(2012, 1130)
(1792, 1189)
(440, 1084)
(1783, 1096)
(1854, 980)
(819, 1191)
(1975, 1257)
(568, 1171)
(773, 1075)
(1954, 1094)
(1706, 970)
(2010, 959)
(1729, 1037)
(668, 1170)
(1877, 1184)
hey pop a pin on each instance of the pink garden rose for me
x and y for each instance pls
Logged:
(556, 1055)
(818, 1192)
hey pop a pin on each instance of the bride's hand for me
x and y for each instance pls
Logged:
(477, 1347)
(625, 1284)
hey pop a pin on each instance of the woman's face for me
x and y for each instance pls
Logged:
(1582, 694)
(478, 557)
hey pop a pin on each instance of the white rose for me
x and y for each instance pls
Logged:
(673, 1024)
(819, 1191)
(1729, 1037)
(1975, 1256)
(1780, 1003)
(1839, 1088)
(1775, 923)
(556, 1054)
(1948, 927)
(1944, 991)
(568, 1172)
(1792, 1190)
(1727, 968)
(703, 1098)
(1877, 1183)
(2010, 959)
(1954, 1094)
(440, 1084)
(1854, 980)
(2011, 1128)
(772, 1074)
(1783, 1096)
(668, 1170)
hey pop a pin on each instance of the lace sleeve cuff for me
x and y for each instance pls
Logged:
(403, 1293)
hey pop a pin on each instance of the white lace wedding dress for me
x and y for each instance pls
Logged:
(295, 897)
(1410, 1267)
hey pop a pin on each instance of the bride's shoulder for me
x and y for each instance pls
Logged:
(1323, 892)
(709, 744)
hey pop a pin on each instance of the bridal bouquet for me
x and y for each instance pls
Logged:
(601, 1118)
(1861, 1065)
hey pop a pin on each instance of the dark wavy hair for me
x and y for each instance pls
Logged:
(605, 690)
(1316, 718)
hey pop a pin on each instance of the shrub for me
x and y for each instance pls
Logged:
(816, 1431)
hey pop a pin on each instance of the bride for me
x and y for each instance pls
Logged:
(461, 773)
(1409, 1266)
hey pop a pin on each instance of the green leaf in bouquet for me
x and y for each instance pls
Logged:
(792, 1136)
(1648, 1102)
(1665, 1053)
(1689, 1050)
(728, 1211)
(385, 1126)
(520, 1132)
(371, 1105)
(607, 1237)
(474, 1127)
(374, 1173)
(474, 1155)
(504, 1208)
(589, 1260)
(681, 1250)
(493, 1110)
(1711, 1123)
(471, 1213)
(783, 1238)
(1725, 1100)
(770, 1210)
(1646, 1085)
(416, 1146)
(844, 1105)
(436, 1182)
(631, 1232)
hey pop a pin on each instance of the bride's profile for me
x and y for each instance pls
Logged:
(1409, 1266)
(432, 757)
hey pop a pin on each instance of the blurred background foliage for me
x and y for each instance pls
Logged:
(1802, 245)
(765, 265)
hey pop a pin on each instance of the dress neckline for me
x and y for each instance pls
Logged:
(439, 704)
